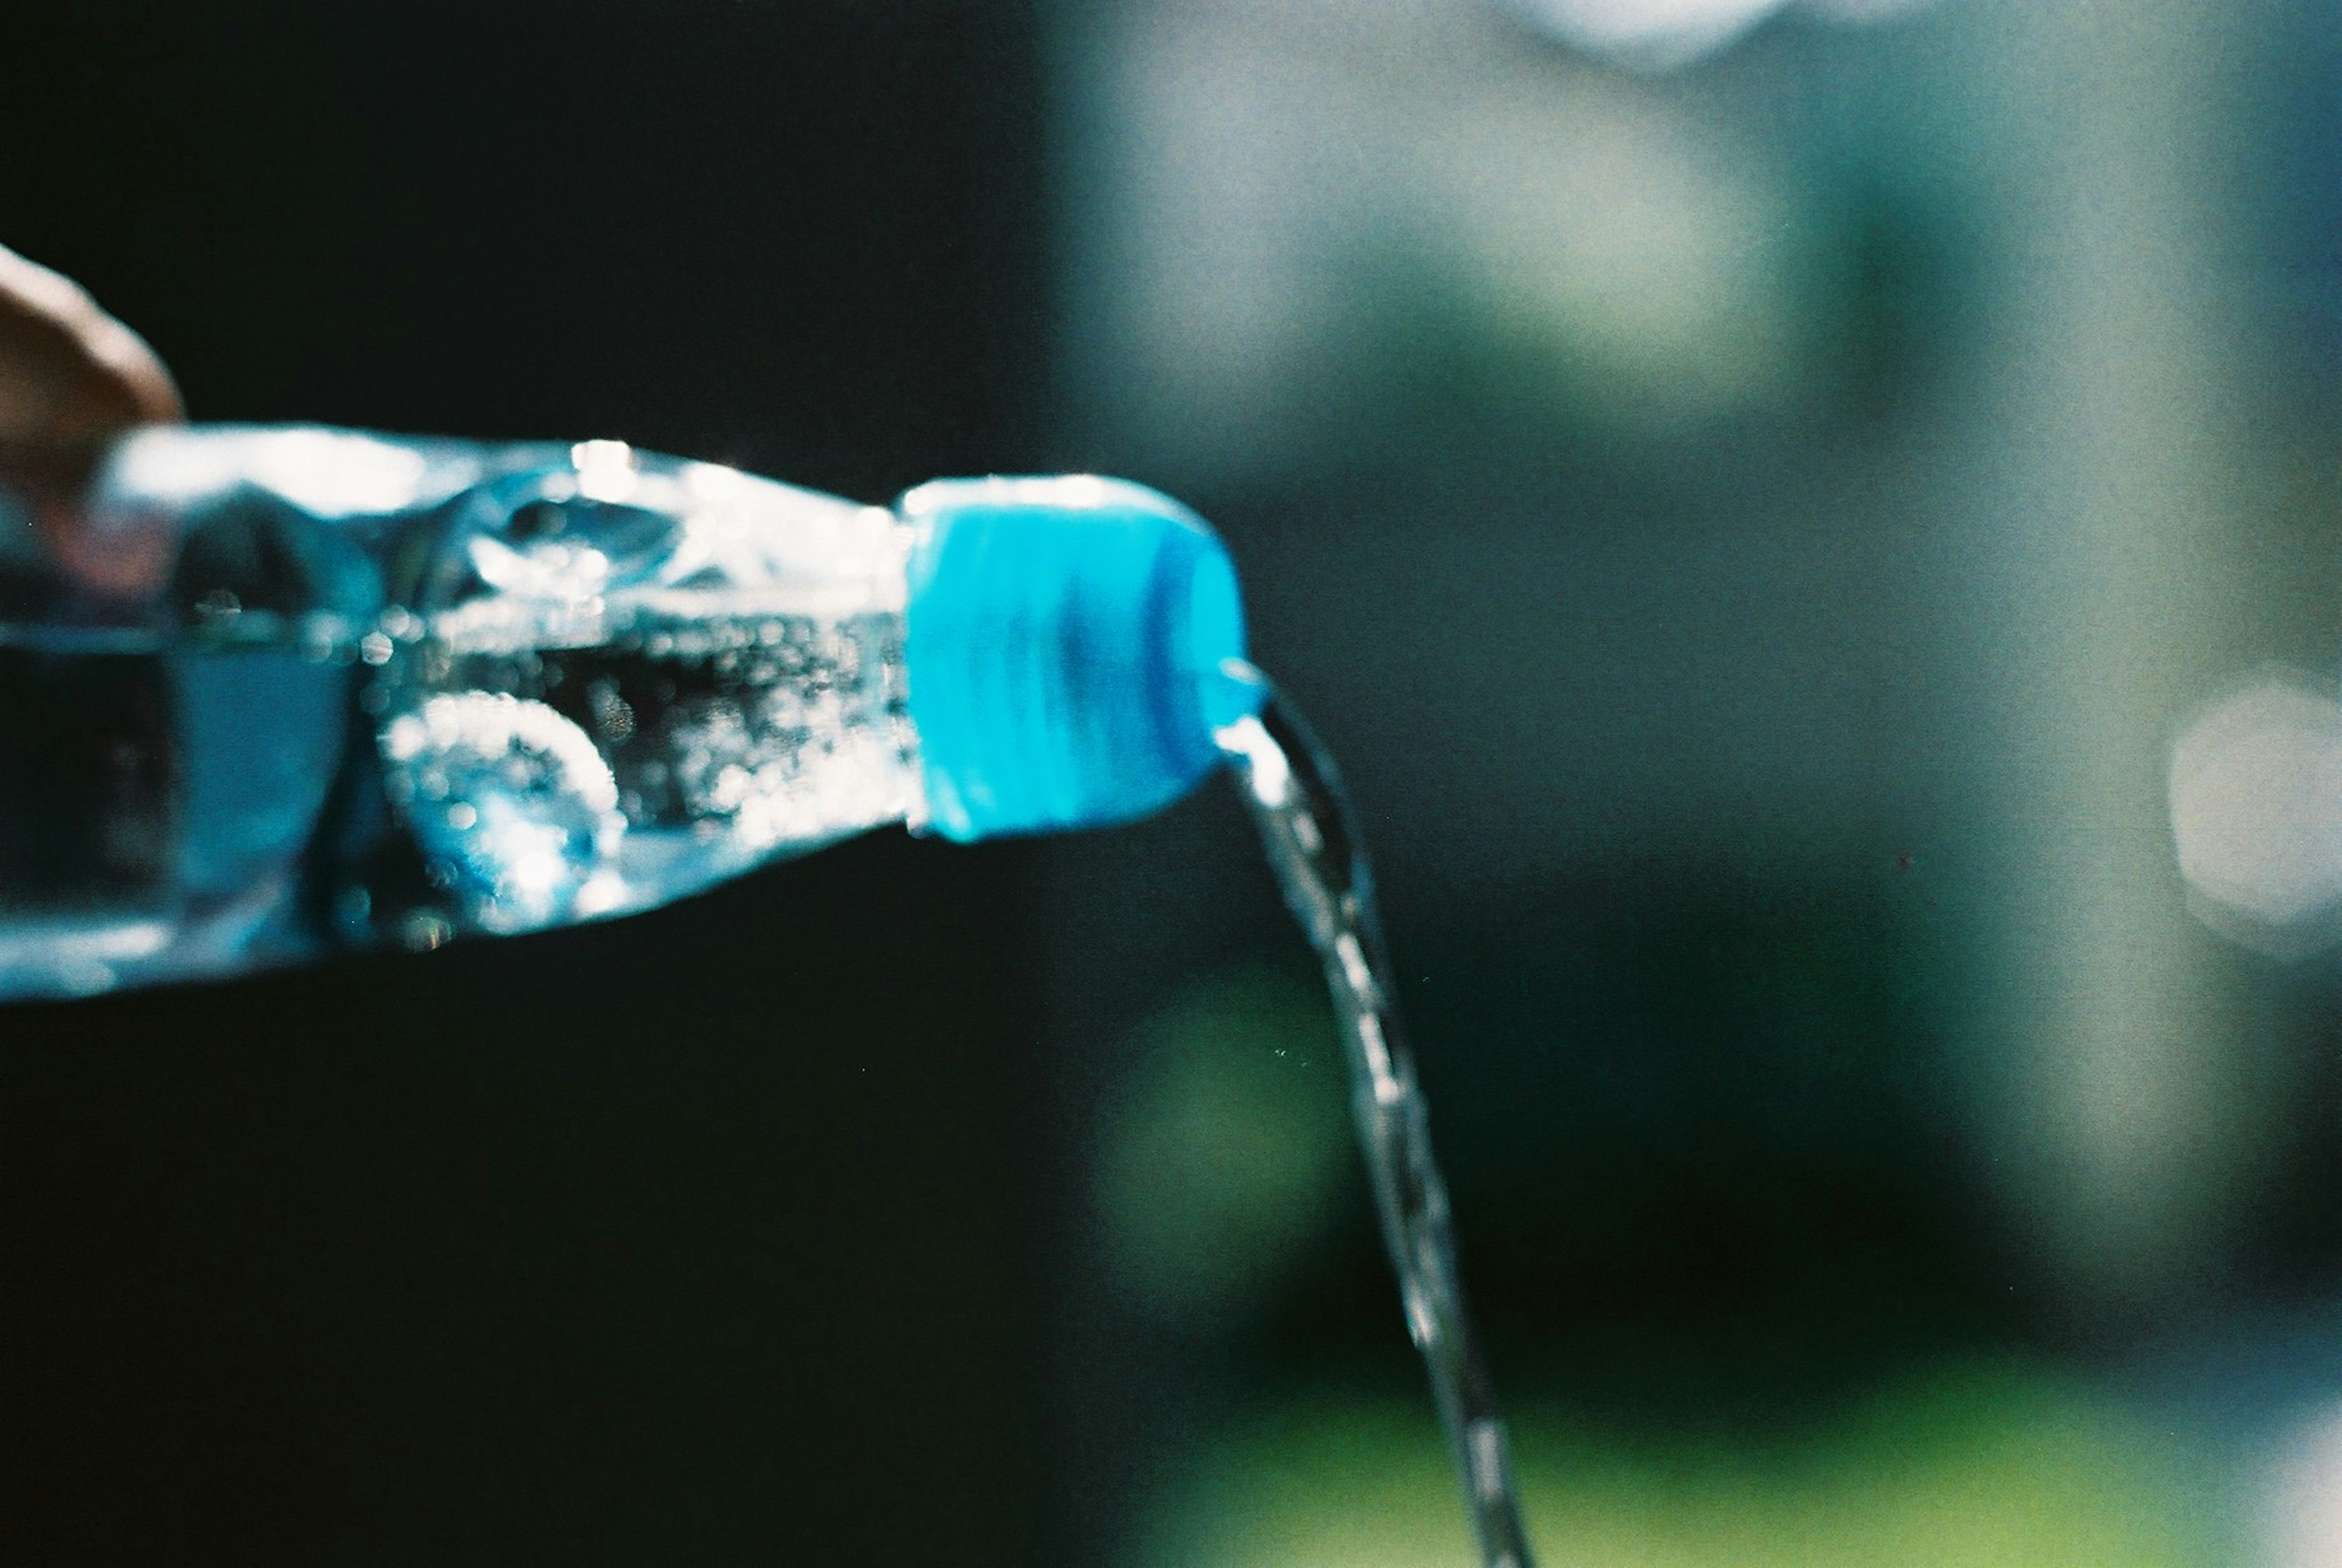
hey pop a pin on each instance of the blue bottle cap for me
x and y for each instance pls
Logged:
(1070, 645)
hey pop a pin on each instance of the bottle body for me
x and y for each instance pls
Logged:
(274, 692)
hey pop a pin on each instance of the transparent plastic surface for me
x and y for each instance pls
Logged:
(270, 691)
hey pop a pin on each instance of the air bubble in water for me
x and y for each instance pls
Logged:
(511, 799)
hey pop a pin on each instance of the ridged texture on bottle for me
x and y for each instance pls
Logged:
(1067, 648)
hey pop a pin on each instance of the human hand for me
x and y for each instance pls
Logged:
(72, 376)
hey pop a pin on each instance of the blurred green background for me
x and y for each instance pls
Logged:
(1751, 494)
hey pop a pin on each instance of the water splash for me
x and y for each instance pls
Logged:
(1294, 795)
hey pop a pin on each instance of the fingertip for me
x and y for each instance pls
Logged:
(69, 372)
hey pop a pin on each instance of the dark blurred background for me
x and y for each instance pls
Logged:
(1760, 498)
(704, 1238)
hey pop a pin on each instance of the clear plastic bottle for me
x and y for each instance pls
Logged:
(267, 692)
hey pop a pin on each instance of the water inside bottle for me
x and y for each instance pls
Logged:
(1291, 788)
(545, 696)
(545, 781)
(189, 801)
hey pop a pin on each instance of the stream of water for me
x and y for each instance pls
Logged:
(1296, 798)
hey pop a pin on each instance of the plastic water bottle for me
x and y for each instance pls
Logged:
(271, 691)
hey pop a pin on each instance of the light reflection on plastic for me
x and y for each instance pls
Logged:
(72, 958)
(330, 472)
(605, 470)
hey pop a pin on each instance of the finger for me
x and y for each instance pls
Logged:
(70, 372)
